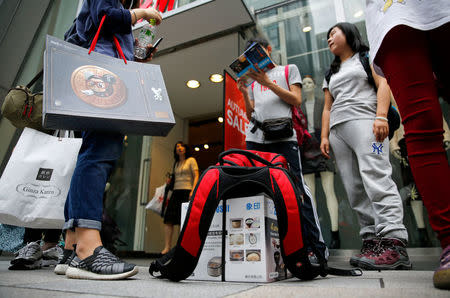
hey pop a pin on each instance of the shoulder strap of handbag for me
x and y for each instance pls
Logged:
(116, 42)
(36, 77)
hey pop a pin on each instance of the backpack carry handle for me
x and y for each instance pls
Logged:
(251, 156)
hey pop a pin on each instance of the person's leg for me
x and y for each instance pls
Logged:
(332, 206)
(310, 180)
(439, 39)
(291, 152)
(168, 233)
(348, 169)
(32, 235)
(375, 171)
(405, 60)
(98, 155)
(51, 238)
(332, 202)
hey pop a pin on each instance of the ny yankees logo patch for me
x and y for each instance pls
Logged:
(377, 149)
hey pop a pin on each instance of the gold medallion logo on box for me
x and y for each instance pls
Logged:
(98, 86)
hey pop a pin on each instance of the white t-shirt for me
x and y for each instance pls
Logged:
(268, 105)
(381, 17)
(184, 174)
(354, 98)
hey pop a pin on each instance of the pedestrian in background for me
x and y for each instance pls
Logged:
(184, 178)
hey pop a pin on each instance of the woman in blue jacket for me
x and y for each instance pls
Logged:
(99, 151)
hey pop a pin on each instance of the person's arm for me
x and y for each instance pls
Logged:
(194, 169)
(146, 14)
(293, 96)
(249, 103)
(324, 141)
(119, 20)
(380, 125)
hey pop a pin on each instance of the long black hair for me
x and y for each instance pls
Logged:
(186, 147)
(262, 41)
(354, 40)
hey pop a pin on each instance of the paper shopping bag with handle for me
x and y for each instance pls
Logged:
(93, 91)
(36, 180)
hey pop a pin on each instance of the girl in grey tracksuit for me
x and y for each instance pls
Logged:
(354, 124)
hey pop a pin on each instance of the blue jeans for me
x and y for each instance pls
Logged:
(96, 159)
(291, 152)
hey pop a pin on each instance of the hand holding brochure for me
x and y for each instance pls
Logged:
(254, 56)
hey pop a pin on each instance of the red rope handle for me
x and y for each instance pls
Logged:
(94, 41)
(119, 49)
(116, 42)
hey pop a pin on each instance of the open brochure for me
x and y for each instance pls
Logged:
(254, 56)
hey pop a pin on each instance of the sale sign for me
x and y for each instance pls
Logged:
(236, 121)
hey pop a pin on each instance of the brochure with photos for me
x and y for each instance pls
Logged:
(254, 56)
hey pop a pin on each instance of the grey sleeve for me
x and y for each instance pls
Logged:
(294, 75)
(324, 84)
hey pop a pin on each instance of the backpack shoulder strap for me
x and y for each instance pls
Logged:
(328, 75)
(364, 59)
(286, 75)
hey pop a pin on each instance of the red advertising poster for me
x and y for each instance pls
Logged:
(235, 118)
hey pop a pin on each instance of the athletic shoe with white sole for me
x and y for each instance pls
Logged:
(28, 257)
(102, 265)
(51, 256)
(64, 261)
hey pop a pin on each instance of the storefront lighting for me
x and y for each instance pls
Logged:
(216, 78)
(307, 29)
(206, 146)
(193, 84)
(358, 14)
(197, 149)
(220, 119)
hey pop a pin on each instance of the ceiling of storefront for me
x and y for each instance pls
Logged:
(197, 43)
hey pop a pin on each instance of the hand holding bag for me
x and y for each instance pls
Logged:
(36, 180)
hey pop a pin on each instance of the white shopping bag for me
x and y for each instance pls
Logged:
(156, 204)
(36, 180)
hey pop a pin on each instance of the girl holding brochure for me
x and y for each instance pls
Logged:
(269, 98)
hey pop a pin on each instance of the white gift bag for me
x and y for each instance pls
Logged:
(36, 180)
(156, 204)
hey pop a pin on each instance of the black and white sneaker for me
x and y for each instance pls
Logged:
(51, 256)
(28, 257)
(102, 265)
(64, 261)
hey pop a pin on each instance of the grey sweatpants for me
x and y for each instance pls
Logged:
(366, 172)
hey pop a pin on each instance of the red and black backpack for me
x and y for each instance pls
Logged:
(241, 173)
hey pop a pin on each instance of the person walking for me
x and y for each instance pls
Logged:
(355, 127)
